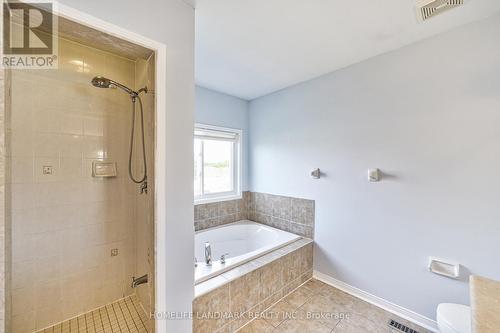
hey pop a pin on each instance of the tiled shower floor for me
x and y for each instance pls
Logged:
(122, 316)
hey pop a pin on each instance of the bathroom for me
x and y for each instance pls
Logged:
(232, 166)
(387, 164)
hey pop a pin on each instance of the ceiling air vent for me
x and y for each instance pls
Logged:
(430, 8)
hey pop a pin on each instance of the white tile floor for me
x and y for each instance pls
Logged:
(122, 316)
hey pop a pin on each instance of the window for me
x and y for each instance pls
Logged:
(217, 163)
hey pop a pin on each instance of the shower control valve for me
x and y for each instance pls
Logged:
(223, 258)
(144, 187)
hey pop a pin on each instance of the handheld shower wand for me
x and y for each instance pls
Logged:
(102, 82)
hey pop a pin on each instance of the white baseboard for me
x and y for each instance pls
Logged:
(404, 313)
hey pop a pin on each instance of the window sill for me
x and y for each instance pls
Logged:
(218, 199)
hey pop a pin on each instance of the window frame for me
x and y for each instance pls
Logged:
(236, 193)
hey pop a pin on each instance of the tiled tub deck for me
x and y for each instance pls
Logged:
(228, 301)
(277, 294)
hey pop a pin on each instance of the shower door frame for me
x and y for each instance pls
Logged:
(160, 50)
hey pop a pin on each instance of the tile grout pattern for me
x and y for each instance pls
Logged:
(218, 213)
(290, 214)
(123, 316)
(286, 213)
(316, 307)
(144, 204)
(64, 222)
(252, 292)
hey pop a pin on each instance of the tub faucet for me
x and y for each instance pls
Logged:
(208, 253)
(223, 258)
(139, 280)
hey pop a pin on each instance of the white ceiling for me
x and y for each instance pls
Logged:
(250, 48)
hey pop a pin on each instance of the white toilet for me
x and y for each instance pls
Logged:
(454, 318)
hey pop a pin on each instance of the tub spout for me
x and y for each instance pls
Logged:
(139, 280)
(208, 254)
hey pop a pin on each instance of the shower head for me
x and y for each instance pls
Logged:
(102, 82)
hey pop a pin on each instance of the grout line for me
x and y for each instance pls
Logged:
(109, 319)
(113, 306)
(143, 326)
(140, 318)
(123, 314)
(269, 307)
(337, 325)
(79, 315)
(87, 324)
(93, 321)
(102, 323)
(130, 314)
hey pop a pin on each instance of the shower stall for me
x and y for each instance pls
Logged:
(79, 188)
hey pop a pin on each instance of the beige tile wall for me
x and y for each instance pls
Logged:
(144, 260)
(219, 213)
(65, 224)
(286, 213)
(4, 223)
(219, 310)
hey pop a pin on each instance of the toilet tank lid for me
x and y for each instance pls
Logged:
(456, 316)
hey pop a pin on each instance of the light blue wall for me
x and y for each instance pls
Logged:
(214, 108)
(428, 116)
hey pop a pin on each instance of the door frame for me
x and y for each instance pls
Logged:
(160, 51)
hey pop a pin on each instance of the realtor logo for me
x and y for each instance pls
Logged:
(29, 38)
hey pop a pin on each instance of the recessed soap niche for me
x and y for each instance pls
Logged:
(102, 169)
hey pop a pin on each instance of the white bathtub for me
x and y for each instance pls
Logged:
(243, 241)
